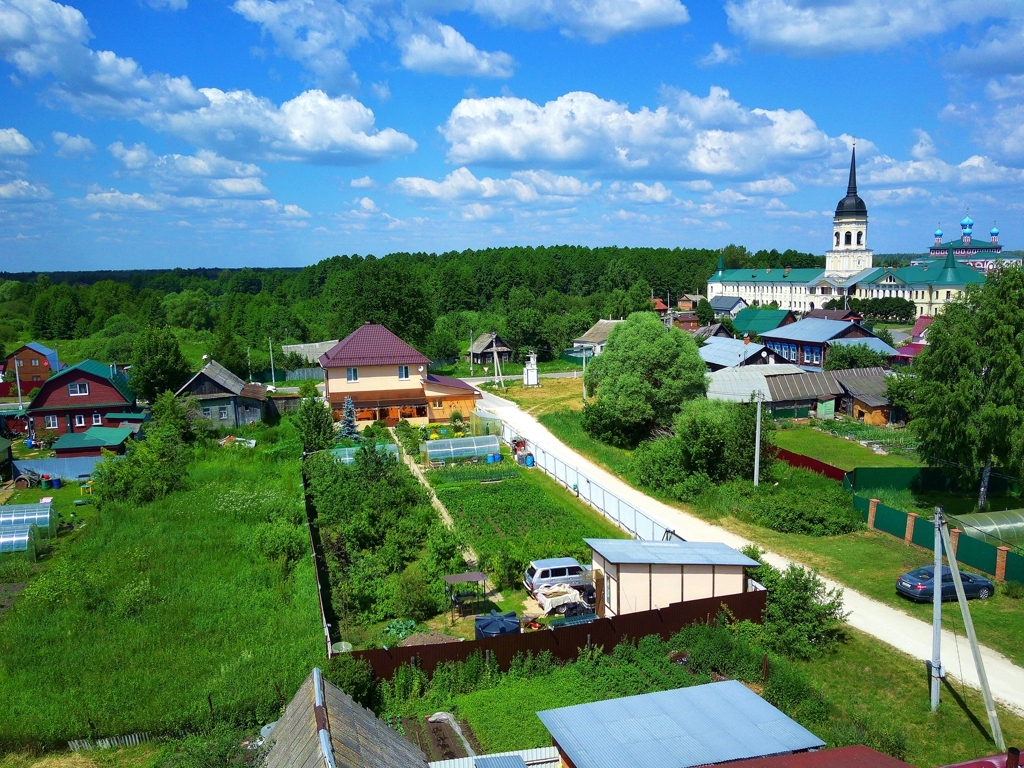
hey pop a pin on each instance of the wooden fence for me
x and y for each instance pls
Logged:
(564, 643)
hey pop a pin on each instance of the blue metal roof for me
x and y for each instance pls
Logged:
(669, 552)
(49, 354)
(872, 343)
(500, 761)
(724, 303)
(681, 728)
(719, 350)
(813, 329)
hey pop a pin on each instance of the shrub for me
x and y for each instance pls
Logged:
(414, 598)
(1013, 589)
(279, 539)
(150, 469)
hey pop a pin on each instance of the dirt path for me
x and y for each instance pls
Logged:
(907, 634)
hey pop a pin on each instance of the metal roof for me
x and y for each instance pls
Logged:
(758, 320)
(49, 354)
(804, 386)
(680, 728)
(707, 331)
(725, 303)
(111, 373)
(842, 757)
(846, 315)
(793, 276)
(598, 332)
(865, 384)
(812, 329)
(371, 344)
(873, 343)
(500, 761)
(70, 468)
(94, 437)
(669, 552)
(448, 381)
(736, 384)
(718, 350)
(539, 757)
(219, 375)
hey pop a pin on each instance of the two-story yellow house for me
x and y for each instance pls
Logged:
(388, 380)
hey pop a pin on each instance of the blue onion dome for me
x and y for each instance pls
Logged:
(994, 231)
(938, 233)
(967, 223)
(968, 231)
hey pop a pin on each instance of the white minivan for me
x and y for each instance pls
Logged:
(555, 570)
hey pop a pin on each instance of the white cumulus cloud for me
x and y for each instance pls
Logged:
(72, 146)
(719, 54)
(21, 190)
(364, 182)
(171, 5)
(440, 49)
(522, 187)
(204, 174)
(14, 143)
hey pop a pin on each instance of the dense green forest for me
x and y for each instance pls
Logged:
(536, 297)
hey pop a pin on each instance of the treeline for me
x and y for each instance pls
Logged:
(536, 297)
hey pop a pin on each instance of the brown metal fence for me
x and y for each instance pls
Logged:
(806, 462)
(564, 643)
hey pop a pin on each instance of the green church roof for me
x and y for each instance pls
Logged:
(794, 276)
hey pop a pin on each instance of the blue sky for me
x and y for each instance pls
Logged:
(159, 133)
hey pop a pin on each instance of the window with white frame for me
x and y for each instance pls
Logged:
(35, 362)
(79, 419)
(222, 412)
(817, 355)
(97, 420)
(807, 355)
(403, 373)
(78, 388)
(207, 413)
(50, 422)
(607, 590)
(353, 374)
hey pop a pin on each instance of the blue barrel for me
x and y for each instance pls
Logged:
(56, 483)
(497, 458)
(529, 460)
(490, 458)
(496, 624)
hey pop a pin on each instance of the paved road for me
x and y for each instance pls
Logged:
(518, 377)
(889, 625)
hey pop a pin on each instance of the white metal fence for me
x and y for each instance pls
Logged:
(613, 507)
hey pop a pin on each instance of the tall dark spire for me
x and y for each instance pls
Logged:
(851, 188)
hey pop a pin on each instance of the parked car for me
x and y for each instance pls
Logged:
(919, 584)
(555, 570)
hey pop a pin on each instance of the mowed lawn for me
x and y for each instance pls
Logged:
(164, 617)
(837, 451)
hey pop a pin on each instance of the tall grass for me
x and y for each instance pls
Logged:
(167, 616)
(567, 426)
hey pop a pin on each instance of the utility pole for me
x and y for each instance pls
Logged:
(936, 666)
(584, 375)
(17, 381)
(757, 441)
(273, 376)
(471, 353)
(986, 692)
(248, 358)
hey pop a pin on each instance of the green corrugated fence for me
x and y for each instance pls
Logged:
(917, 478)
(924, 533)
(976, 553)
(1014, 567)
(890, 520)
(861, 504)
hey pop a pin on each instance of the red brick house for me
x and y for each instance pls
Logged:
(81, 396)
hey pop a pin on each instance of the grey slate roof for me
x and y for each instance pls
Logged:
(354, 738)
(865, 384)
(669, 552)
(804, 386)
(707, 331)
(311, 351)
(681, 728)
(598, 333)
(225, 378)
(483, 343)
(718, 350)
(736, 384)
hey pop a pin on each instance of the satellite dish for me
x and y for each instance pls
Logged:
(420, 369)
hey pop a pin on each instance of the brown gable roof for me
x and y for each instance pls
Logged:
(322, 727)
(371, 345)
(834, 314)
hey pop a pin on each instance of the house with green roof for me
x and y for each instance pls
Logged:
(82, 396)
(755, 320)
(93, 441)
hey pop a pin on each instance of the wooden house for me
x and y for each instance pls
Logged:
(81, 396)
(688, 302)
(807, 342)
(224, 398)
(596, 337)
(486, 347)
(388, 380)
(35, 363)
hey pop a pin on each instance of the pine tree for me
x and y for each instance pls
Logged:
(349, 430)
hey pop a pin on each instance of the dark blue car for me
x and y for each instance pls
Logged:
(919, 584)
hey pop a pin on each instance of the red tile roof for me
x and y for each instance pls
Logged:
(842, 757)
(920, 325)
(447, 381)
(371, 345)
(659, 305)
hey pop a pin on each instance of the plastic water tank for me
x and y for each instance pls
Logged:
(529, 459)
(495, 624)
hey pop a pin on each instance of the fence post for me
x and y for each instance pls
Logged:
(908, 535)
(872, 509)
(1001, 563)
(955, 536)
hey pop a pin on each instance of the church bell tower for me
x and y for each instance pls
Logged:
(849, 253)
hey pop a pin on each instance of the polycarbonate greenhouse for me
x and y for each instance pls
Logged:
(24, 514)
(997, 528)
(19, 541)
(348, 455)
(461, 448)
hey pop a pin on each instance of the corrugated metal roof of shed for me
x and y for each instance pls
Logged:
(736, 384)
(843, 757)
(811, 329)
(669, 552)
(500, 761)
(804, 386)
(719, 350)
(681, 728)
